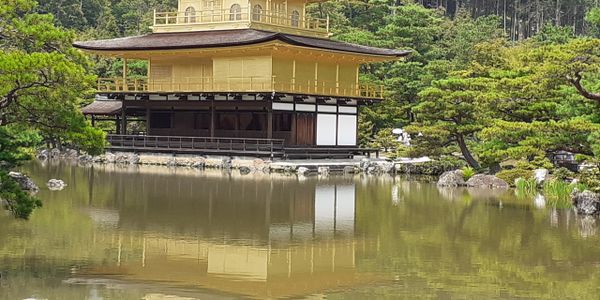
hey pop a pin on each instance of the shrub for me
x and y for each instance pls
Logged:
(510, 176)
(20, 202)
(434, 167)
(563, 173)
(591, 178)
(468, 172)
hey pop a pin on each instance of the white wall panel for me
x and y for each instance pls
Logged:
(283, 106)
(326, 130)
(348, 109)
(305, 107)
(347, 130)
(327, 108)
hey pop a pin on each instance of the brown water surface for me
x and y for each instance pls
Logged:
(159, 233)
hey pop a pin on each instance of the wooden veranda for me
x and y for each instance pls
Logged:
(274, 148)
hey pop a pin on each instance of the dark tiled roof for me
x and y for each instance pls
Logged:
(102, 107)
(223, 38)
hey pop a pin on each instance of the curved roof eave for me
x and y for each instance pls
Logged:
(225, 38)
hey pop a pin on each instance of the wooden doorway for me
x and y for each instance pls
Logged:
(305, 129)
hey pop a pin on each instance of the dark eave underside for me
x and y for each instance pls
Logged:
(104, 107)
(225, 38)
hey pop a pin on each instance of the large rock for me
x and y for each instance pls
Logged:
(586, 202)
(487, 181)
(452, 179)
(56, 184)
(25, 182)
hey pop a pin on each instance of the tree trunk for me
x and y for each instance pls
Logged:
(460, 140)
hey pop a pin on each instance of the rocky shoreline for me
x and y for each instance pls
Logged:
(585, 203)
(244, 164)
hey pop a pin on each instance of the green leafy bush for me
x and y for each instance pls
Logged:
(20, 202)
(510, 176)
(434, 167)
(468, 172)
(591, 178)
(563, 174)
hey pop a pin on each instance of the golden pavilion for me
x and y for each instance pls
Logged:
(227, 77)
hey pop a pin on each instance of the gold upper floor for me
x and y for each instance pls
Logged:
(286, 16)
(271, 67)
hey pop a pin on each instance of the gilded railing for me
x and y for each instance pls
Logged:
(243, 84)
(242, 14)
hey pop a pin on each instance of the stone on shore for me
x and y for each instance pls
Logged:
(302, 171)
(54, 153)
(452, 179)
(199, 164)
(24, 182)
(85, 158)
(43, 154)
(56, 184)
(245, 170)
(71, 154)
(586, 202)
(109, 158)
(323, 171)
(540, 175)
(350, 170)
(226, 163)
(487, 181)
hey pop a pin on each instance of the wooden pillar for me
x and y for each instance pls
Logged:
(93, 121)
(316, 76)
(294, 75)
(147, 120)
(125, 87)
(117, 124)
(337, 79)
(270, 123)
(212, 118)
(123, 119)
(294, 130)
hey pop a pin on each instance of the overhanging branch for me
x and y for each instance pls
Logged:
(576, 82)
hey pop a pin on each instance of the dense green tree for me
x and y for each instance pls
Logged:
(453, 110)
(42, 84)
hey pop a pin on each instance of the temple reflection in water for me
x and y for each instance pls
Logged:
(259, 238)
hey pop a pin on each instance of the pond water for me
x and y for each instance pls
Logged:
(159, 233)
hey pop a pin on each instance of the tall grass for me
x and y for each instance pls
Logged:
(558, 192)
(526, 188)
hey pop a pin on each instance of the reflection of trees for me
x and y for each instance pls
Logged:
(473, 245)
